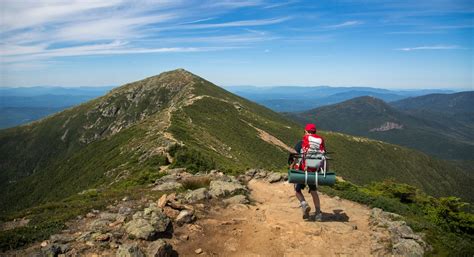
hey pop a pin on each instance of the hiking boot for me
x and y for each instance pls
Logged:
(318, 217)
(306, 209)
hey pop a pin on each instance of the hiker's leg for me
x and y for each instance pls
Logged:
(298, 193)
(303, 204)
(317, 204)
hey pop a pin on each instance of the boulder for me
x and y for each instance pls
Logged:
(148, 223)
(170, 212)
(176, 171)
(404, 241)
(274, 177)
(168, 186)
(99, 225)
(221, 188)
(185, 216)
(61, 238)
(197, 195)
(260, 174)
(162, 201)
(51, 250)
(251, 172)
(129, 250)
(237, 199)
(159, 248)
(408, 247)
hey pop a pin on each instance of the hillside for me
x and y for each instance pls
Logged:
(447, 138)
(119, 141)
(457, 103)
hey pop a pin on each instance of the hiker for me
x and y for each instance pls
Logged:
(311, 143)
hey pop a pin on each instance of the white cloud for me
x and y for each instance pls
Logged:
(344, 24)
(242, 23)
(45, 29)
(434, 47)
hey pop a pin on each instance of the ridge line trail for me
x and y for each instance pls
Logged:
(273, 226)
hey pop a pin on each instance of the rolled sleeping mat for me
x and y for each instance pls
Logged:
(299, 177)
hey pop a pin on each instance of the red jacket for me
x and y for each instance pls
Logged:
(311, 143)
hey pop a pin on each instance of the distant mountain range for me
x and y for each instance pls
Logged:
(22, 105)
(120, 140)
(293, 98)
(437, 124)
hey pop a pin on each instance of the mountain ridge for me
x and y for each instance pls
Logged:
(376, 119)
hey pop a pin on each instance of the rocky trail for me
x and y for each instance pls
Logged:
(273, 226)
(255, 214)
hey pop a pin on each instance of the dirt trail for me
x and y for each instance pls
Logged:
(273, 226)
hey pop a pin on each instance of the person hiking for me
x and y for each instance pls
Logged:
(310, 144)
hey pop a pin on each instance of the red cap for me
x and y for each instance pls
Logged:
(310, 127)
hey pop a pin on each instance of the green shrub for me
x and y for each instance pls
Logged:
(190, 159)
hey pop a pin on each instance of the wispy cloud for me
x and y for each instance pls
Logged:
(242, 23)
(434, 47)
(344, 24)
(48, 29)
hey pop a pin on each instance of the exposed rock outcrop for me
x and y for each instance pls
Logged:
(389, 228)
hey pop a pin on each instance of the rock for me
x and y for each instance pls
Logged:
(197, 195)
(64, 248)
(51, 250)
(124, 210)
(84, 236)
(408, 247)
(100, 225)
(260, 174)
(251, 172)
(102, 237)
(170, 212)
(167, 178)
(159, 248)
(90, 215)
(61, 238)
(44, 243)
(405, 242)
(185, 216)
(337, 198)
(168, 186)
(162, 201)
(176, 171)
(198, 251)
(221, 188)
(126, 198)
(184, 237)
(171, 197)
(148, 223)
(285, 176)
(108, 216)
(274, 177)
(237, 199)
(129, 250)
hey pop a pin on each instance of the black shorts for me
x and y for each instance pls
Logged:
(299, 187)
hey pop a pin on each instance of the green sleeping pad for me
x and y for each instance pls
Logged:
(299, 177)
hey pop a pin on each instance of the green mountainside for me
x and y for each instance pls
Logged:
(443, 136)
(119, 141)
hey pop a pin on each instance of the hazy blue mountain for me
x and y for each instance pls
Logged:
(22, 105)
(294, 98)
(44, 90)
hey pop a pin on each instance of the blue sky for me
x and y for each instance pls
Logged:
(387, 44)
